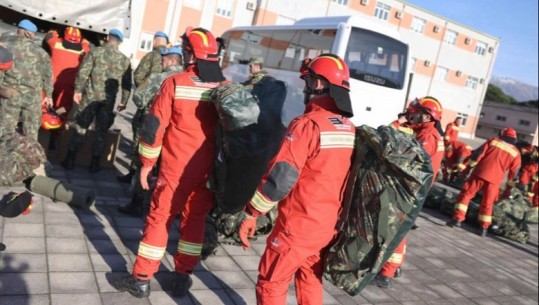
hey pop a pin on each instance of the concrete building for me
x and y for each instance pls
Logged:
(450, 61)
(496, 116)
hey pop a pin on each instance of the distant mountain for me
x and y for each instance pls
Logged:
(518, 90)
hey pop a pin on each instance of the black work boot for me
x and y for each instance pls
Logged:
(94, 164)
(382, 281)
(181, 284)
(453, 223)
(136, 287)
(127, 177)
(134, 208)
(69, 161)
(398, 272)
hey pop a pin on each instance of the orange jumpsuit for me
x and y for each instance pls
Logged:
(493, 159)
(66, 58)
(180, 126)
(307, 179)
(529, 164)
(433, 144)
(451, 132)
(455, 157)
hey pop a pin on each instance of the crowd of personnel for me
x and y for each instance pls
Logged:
(174, 136)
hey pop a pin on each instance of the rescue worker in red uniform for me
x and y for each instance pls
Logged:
(530, 166)
(533, 195)
(456, 157)
(307, 180)
(452, 131)
(490, 162)
(422, 120)
(66, 57)
(180, 126)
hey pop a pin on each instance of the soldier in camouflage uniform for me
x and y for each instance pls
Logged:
(256, 65)
(22, 86)
(102, 71)
(143, 98)
(149, 65)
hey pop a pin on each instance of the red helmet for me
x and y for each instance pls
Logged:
(329, 66)
(50, 120)
(72, 34)
(509, 132)
(201, 43)
(428, 105)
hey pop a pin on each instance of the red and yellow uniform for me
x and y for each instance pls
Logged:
(66, 58)
(181, 127)
(307, 179)
(451, 132)
(493, 160)
(456, 156)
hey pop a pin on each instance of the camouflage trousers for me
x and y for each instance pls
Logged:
(104, 118)
(23, 108)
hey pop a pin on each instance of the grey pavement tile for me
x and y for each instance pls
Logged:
(329, 299)
(122, 298)
(110, 262)
(130, 233)
(253, 275)
(214, 297)
(422, 291)
(347, 300)
(24, 245)
(22, 262)
(61, 218)
(97, 232)
(104, 246)
(468, 290)
(439, 263)
(401, 293)
(72, 282)
(223, 263)
(103, 278)
(523, 287)
(234, 250)
(71, 299)
(69, 262)
(233, 279)
(413, 303)
(203, 280)
(418, 276)
(33, 299)
(518, 299)
(32, 217)
(164, 298)
(64, 231)
(57, 207)
(248, 262)
(86, 183)
(242, 296)
(328, 287)
(24, 230)
(445, 291)
(484, 301)
(93, 219)
(66, 245)
(377, 295)
(24, 283)
(502, 287)
(123, 221)
(258, 248)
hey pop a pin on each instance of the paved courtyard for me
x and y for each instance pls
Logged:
(62, 255)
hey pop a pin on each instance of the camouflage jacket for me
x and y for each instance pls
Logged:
(19, 157)
(100, 74)
(255, 77)
(143, 96)
(148, 65)
(31, 71)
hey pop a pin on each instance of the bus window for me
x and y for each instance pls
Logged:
(376, 59)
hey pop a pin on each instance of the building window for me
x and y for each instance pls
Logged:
(382, 11)
(451, 37)
(343, 2)
(224, 8)
(418, 25)
(480, 48)
(146, 42)
(464, 118)
(196, 4)
(441, 73)
(471, 82)
(524, 122)
(500, 118)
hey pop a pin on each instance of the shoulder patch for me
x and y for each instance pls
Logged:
(335, 121)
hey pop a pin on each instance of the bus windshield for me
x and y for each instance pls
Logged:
(375, 58)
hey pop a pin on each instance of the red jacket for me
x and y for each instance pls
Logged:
(181, 127)
(64, 59)
(430, 138)
(451, 132)
(457, 154)
(307, 176)
(494, 158)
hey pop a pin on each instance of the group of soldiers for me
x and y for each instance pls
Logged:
(174, 135)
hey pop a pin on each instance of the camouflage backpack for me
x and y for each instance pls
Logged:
(388, 183)
(19, 157)
(509, 217)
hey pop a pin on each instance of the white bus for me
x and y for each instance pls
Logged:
(378, 60)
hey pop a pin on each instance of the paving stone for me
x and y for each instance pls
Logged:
(233, 279)
(22, 283)
(64, 231)
(24, 245)
(248, 262)
(214, 297)
(33, 299)
(22, 262)
(24, 230)
(121, 298)
(32, 217)
(104, 246)
(69, 262)
(72, 282)
(502, 287)
(164, 298)
(377, 295)
(242, 296)
(62, 218)
(223, 263)
(109, 262)
(70, 299)
(444, 291)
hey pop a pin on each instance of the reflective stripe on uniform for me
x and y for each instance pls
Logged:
(455, 127)
(473, 163)
(148, 151)
(461, 207)
(260, 203)
(440, 146)
(189, 248)
(334, 139)
(461, 166)
(505, 147)
(396, 258)
(485, 218)
(192, 93)
(150, 252)
(406, 130)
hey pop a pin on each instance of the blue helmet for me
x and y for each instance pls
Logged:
(117, 33)
(172, 50)
(160, 34)
(27, 25)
